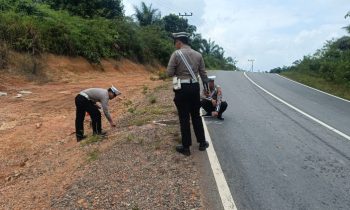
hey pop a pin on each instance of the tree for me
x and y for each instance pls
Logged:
(109, 9)
(209, 47)
(348, 16)
(173, 23)
(146, 15)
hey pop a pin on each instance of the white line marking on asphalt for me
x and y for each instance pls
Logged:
(301, 112)
(224, 191)
(314, 88)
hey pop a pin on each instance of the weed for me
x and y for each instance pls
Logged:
(130, 137)
(157, 145)
(127, 103)
(3, 56)
(145, 90)
(91, 140)
(93, 155)
(135, 207)
(164, 86)
(152, 99)
(132, 109)
(162, 75)
(152, 78)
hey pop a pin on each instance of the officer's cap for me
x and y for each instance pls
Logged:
(115, 90)
(181, 34)
(211, 78)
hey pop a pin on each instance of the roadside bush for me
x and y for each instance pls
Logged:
(155, 44)
(3, 55)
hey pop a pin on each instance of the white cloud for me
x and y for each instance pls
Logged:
(273, 32)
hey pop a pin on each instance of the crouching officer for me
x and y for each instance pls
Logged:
(85, 101)
(186, 63)
(213, 103)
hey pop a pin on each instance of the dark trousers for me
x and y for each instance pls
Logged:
(84, 105)
(208, 106)
(187, 101)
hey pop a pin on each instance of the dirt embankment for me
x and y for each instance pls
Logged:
(42, 166)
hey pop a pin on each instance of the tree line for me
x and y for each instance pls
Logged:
(97, 29)
(331, 62)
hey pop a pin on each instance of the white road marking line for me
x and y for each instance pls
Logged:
(301, 112)
(314, 88)
(224, 191)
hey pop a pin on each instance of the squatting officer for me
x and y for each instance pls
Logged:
(187, 98)
(213, 103)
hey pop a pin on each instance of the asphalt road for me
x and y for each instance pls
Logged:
(276, 158)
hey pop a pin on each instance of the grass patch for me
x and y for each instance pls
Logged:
(141, 120)
(164, 86)
(340, 90)
(152, 99)
(145, 90)
(127, 103)
(91, 140)
(130, 137)
(162, 75)
(132, 109)
(93, 155)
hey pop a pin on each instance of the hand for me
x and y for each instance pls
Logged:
(213, 102)
(214, 114)
(112, 124)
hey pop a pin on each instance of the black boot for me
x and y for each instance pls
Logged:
(203, 146)
(79, 138)
(220, 118)
(183, 150)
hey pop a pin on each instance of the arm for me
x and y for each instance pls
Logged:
(202, 71)
(172, 65)
(104, 104)
(219, 98)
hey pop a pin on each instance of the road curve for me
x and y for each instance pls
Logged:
(276, 158)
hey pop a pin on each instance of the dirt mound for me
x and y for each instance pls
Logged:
(37, 129)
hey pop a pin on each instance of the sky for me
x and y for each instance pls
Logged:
(274, 33)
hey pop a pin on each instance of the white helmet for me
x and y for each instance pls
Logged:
(115, 90)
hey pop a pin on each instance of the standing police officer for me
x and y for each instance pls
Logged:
(187, 98)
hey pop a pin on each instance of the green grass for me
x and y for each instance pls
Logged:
(91, 140)
(145, 90)
(340, 90)
(152, 99)
(93, 155)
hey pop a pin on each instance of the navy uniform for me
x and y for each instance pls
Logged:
(213, 104)
(187, 99)
(85, 101)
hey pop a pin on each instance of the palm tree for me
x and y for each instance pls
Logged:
(146, 15)
(348, 16)
(209, 47)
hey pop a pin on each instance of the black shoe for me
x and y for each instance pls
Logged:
(183, 150)
(203, 146)
(220, 118)
(102, 134)
(79, 138)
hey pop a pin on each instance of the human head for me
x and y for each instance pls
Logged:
(211, 81)
(180, 39)
(113, 92)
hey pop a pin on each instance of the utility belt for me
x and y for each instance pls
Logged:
(188, 81)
